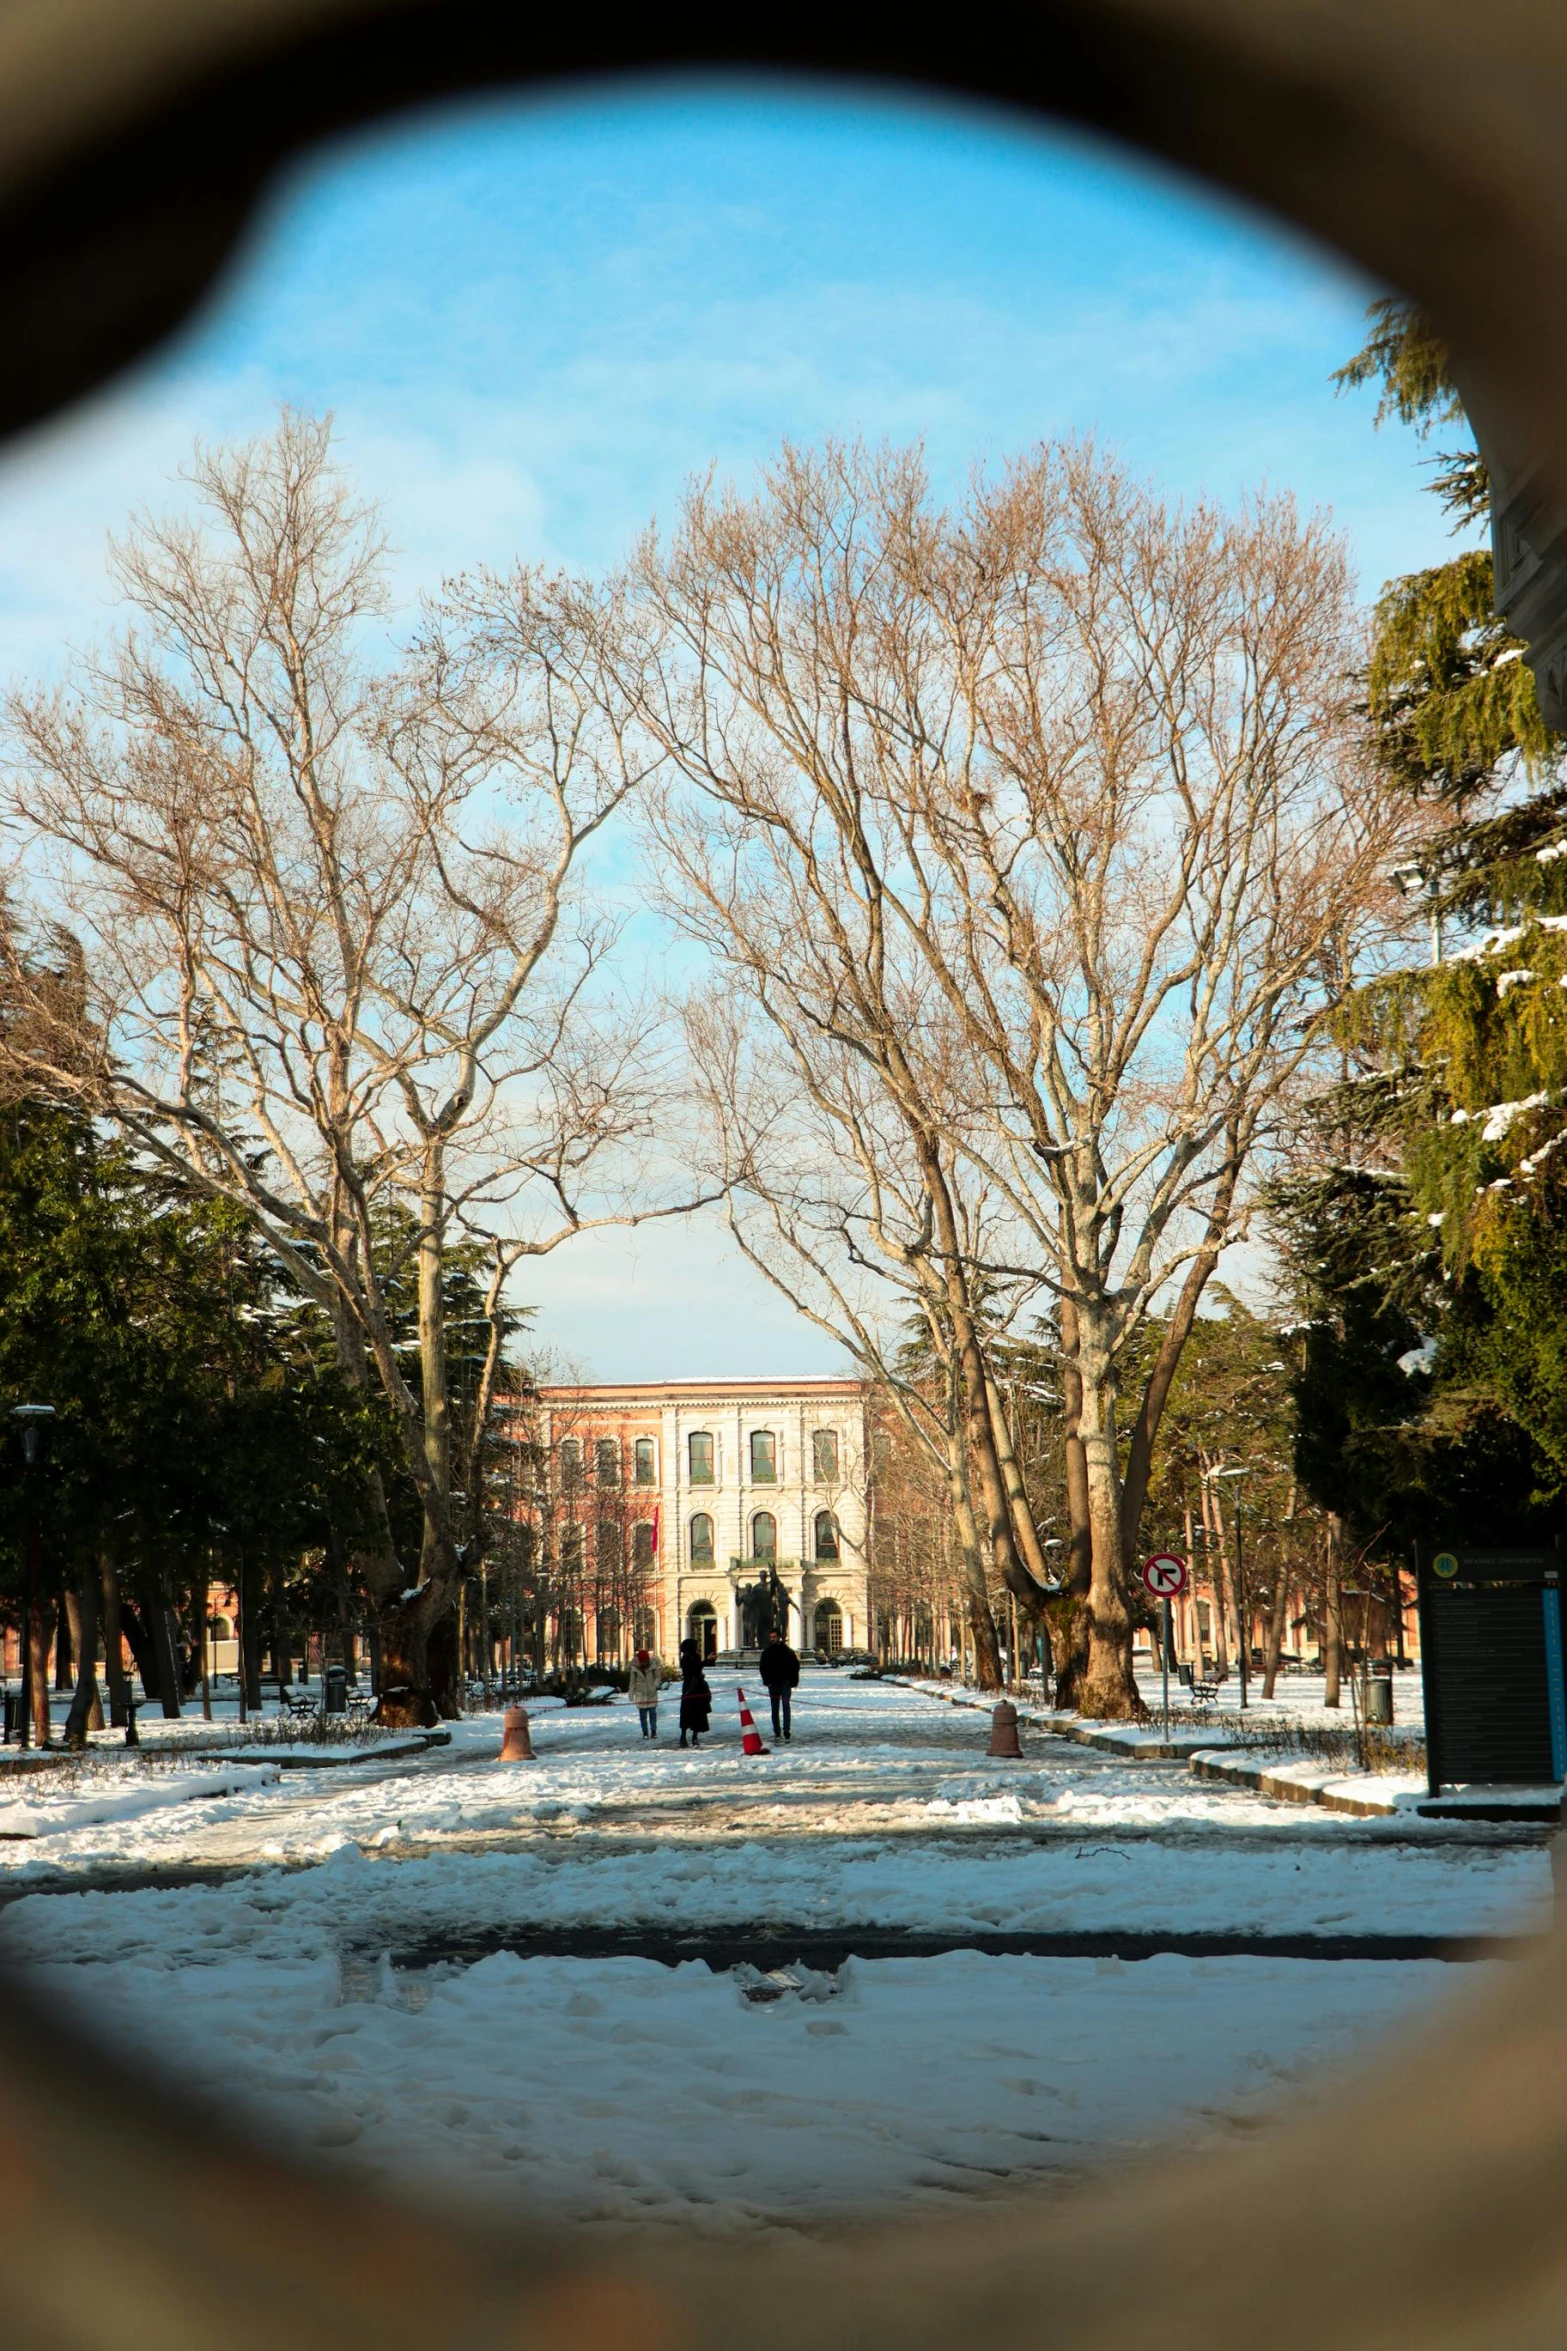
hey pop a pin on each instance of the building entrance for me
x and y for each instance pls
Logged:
(702, 1626)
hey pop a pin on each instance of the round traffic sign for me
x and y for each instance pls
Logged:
(1165, 1574)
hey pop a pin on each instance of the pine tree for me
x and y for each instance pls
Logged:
(1440, 1218)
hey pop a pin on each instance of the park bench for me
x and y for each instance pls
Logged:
(1205, 1693)
(299, 1708)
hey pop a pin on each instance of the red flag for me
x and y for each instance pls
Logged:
(657, 1507)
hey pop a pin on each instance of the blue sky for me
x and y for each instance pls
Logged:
(534, 319)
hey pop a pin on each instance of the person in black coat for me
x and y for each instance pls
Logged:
(696, 1699)
(781, 1673)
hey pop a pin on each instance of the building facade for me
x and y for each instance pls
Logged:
(693, 1508)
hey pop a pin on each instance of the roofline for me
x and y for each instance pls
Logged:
(618, 1389)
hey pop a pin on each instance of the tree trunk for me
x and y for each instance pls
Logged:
(143, 1652)
(982, 1625)
(432, 1356)
(165, 1633)
(201, 1610)
(1276, 1620)
(974, 1376)
(113, 1651)
(1069, 1616)
(1178, 1329)
(1030, 1587)
(1109, 1691)
(86, 1712)
(1213, 1524)
(1332, 1617)
(45, 1613)
(249, 1645)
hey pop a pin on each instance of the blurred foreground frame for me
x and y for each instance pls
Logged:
(1417, 2205)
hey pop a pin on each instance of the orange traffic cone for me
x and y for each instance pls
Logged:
(750, 1736)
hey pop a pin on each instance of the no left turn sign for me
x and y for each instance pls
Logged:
(1165, 1574)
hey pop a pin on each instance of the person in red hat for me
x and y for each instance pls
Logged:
(643, 1684)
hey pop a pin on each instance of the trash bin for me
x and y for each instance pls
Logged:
(336, 1689)
(1379, 1694)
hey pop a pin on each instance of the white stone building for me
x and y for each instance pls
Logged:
(723, 1482)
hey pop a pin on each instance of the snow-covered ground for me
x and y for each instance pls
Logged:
(618, 2089)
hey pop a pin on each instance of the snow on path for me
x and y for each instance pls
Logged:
(618, 2091)
(622, 2092)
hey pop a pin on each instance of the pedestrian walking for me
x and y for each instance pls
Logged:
(643, 1683)
(696, 1699)
(781, 1673)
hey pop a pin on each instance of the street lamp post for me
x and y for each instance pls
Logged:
(33, 1419)
(1243, 1471)
(1414, 880)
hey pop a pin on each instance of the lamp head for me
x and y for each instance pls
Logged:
(33, 1418)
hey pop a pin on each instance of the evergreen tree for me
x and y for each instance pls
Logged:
(1424, 1246)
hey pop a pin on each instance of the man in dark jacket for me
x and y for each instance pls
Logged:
(781, 1673)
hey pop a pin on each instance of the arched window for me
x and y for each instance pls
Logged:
(764, 1536)
(764, 1458)
(571, 1551)
(824, 1457)
(826, 1535)
(571, 1463)
(701, 1540)
(608, 1547)
(829, 1626)
(220, 1628)
(645, 1471)
(699, 1447)
(606, 1461)
(642, 1545)
(647, 1630)
(606, 1632)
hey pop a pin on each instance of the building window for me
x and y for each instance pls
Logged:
(764, 1536)
(607, 1546)
(646, 1474)
(606, 1632)
(700, 1446)
(701, 1540)
(606, 1461)
(647, 1630)
(764, 1458)
(571, 1551)
(642, 1545)
(826, 1535)
(824, 1457)
(571, 1464)
(829, 1627)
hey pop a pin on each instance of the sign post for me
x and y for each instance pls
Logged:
(1164, 1575)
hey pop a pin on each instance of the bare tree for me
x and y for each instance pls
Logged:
(335, 970)
(1047, 813)
(825, 1194)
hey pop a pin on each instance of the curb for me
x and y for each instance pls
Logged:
(1138, 1747)
(416, 1745)
(1212, 1765)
